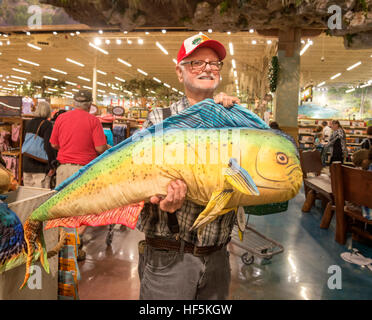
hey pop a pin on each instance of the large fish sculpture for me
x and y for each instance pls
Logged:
(227, 158)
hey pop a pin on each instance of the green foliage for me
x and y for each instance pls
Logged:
(273, 73)
(349, 38)
(39, 87)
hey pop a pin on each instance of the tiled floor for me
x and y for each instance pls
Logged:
(299, 272)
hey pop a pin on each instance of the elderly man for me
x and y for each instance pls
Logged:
(174, 263)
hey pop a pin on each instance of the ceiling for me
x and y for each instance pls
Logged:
(250, 58)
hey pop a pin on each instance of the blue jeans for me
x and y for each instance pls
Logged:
(170, 275)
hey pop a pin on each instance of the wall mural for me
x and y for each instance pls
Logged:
(335, 103)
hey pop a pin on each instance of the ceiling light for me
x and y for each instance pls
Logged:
(236, 81)
(16, 77)
(20, 70)
(350, 90)
(29, 62)
(83, 78)
(303, 41)
(118, 41)
(307, 45)
(124, 62)
(125, 32)
(113, 94)
(231, 47)
(269, 42)
(365, 85)
(75, 62)
(98, 48)
(321, 84)
(254, 42)
(54, 32)
(101, 84)
(15, 82)
(143, 72)
(28, 33)
(140, 41)
(8, 42)
(228, 32)
(129, 41)
(147, 32)
(335, 76)
(210, 30)
(86, 87)
(251, 30)
(99, 90)
(157, 80)
(102, 72)
(161, 47)
(97, 41)
(52, 89)
(77, 32)
(107, 41)
(354, 66)
(235, 74)
(50, 78)
(164, 31)
(100, 31)
(233, 63)
(76, 90)
(167, 85)
(57, 70)
(120, 79)
(71, 83)
(1, 43)
(72, 34)
(174, 89)
(128, 92)
(175, 61)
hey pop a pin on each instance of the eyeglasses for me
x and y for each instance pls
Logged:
(200, 65)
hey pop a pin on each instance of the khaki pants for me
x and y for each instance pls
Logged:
(65, 171)
(36, 180)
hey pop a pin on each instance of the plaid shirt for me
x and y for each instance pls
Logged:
(154, 222)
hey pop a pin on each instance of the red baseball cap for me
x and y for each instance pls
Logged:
(198, 41)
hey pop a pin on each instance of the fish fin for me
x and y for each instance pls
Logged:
(43, 252)
(215, 207)
(240, 179)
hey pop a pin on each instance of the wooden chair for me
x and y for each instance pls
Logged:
(316, 187)
(353, 185)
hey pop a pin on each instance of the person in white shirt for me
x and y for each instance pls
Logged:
(327, 131)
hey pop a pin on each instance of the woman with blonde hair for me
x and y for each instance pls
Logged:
(35, 172)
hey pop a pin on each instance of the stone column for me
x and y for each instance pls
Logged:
(287, 92)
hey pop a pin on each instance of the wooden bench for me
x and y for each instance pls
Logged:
(317, 186)
(355, 186)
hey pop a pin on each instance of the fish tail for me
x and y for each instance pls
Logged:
(43, 252)
(31, 230)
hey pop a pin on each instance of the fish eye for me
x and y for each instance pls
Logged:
(281, 158)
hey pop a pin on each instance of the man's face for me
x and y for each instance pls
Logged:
(199, 80)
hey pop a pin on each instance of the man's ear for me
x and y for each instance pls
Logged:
(179, 74)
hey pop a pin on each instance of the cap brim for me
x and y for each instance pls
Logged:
(215, 45)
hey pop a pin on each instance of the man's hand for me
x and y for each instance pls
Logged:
(173, 201)
(225, 100)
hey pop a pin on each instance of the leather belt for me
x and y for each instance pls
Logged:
(174, 245)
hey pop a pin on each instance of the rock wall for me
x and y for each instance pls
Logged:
(227, 15)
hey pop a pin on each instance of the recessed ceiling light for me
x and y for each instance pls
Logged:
(228, 32)
(107, 41)
(164, 31)
(231, 47)
(86, 87)
(83, 78)
(120, 79)
(167, 85)
(15, 82)
(33, 46)
(147, 32)
(321, 84)
(350, 90)
(102, 72)
(76, 90)
(254, 42)
(125, 32)
(335, 76)
(118, 41)
(233, 63)
(140, 41)
(72, 34)
(50, 78)
(77, 32)
(97, 41)
(157, 80)
(235, 74)
(54, 32)
(20, 70)
(98, 48)
(71, 83)
(57, 70)
(102, 84)
(28, 33)
(124, 62)
(129, 41)
(251, 30)
(100, 31)
(354, 66)
(143, 72)
(16, 77)
(75, 62)
(269, 42)
(29, 62)
(210, 30)
(161, 47)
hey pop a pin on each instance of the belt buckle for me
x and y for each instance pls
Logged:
(195, 252)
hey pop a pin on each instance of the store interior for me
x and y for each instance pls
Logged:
(130, 74)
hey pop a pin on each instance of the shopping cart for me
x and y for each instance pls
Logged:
(259, 248)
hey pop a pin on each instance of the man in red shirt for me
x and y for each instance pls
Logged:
(78, 136)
